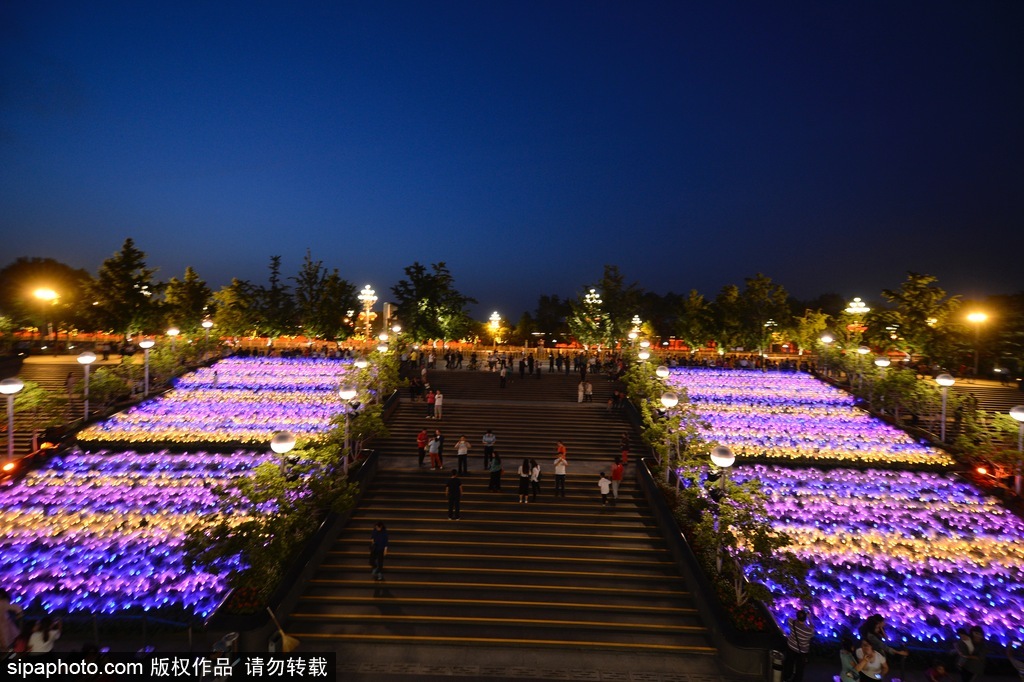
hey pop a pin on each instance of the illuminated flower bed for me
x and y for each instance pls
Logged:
(793, 416)
(103, 533)
(236, 401)
(926, 550)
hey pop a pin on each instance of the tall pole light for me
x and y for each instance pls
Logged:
(881, 363)
(207, 325)
(347, 392)
(282, 443)
(861, 352)
(826, 343)
(977, 318)
(173, 333)
(669, 399)
(1017, 412)
(367, 297)
(495, 323)
(85, 359)
(145, 345)
(723, 458)
(945, 381)
(10, 387)
(46, 295)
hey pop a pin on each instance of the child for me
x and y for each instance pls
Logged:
(606, 487)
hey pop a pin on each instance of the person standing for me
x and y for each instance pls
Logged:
(453, 490)
(534, 476)
(581, 388)
(9, 615)
(560, 450)
(488, 440)
(431, 397)
(799, 645)
(438, 404)
(503, 376)
(971, 654)
(617, 473)
(44, 634)
(435, 454)
(495, 470)
(422, 438)
(462, 451)
(378, 549)
(605, 486)
(524, 482)
(560, 466)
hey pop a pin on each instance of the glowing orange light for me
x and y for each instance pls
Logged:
(982, 470)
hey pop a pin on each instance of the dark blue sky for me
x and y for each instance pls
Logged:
(830, 145)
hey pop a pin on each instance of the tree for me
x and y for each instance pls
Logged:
(809, 327)
(124, 294)
(603, 313)
(21, 279)
(274, 305)
(727, 319)
(322, 300)
(761, 304)
(587, 318)
(696, 322)
(236, 306)
(187, 302)
(428, 304)
(550, 317)
(924, 315)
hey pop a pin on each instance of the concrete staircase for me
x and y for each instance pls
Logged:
(556, 574)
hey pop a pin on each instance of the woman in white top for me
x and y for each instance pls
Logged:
(876, 667)
(44, 634)
(534, 478)
(438, 404)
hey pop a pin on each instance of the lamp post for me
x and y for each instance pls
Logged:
(85, 359)
(173, 333)
(723, 458)
(145, 345)
(881, 363)
(861, 352)
(367, 297)
(662, 372)
(945, 381)
(10, 387)
(282, 443)
(826, 343)
(669, 399)
(977, 318)
(494, 321)
(347, 392)
(1017, 412)
(207, 324)
(46, 295)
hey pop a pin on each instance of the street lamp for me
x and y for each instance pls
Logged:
(207, 324)
(495, 323)
(367, 297)
(644, 354)
(361, 363)
(881, 363)
(10, 387)
(857, 307)
(173, 333)
(723, 458)
(826, 342)
(669, 399)
(282, 443)
(145, 345)
(977, 318)
(945, 381)
(347, 392)
(861, 352)
(85, 359)
(46, 295)
(662, 371)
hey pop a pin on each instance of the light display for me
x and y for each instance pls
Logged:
(236, 401)
(102, 533)
(926, 550)
(788, 416)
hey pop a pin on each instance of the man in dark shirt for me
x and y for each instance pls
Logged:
(453, 490)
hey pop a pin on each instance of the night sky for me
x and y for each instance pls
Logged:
(831, 145)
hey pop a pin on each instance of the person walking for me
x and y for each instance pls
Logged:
(534, 476)
(616, 476)
(488, 441)
(422, 438)
(453, 490)
(495, 470)
(378, 549)
(524, 482)
(560, 466)
(799, 645)
(605, 486)
(462, 451)
(438, 404)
